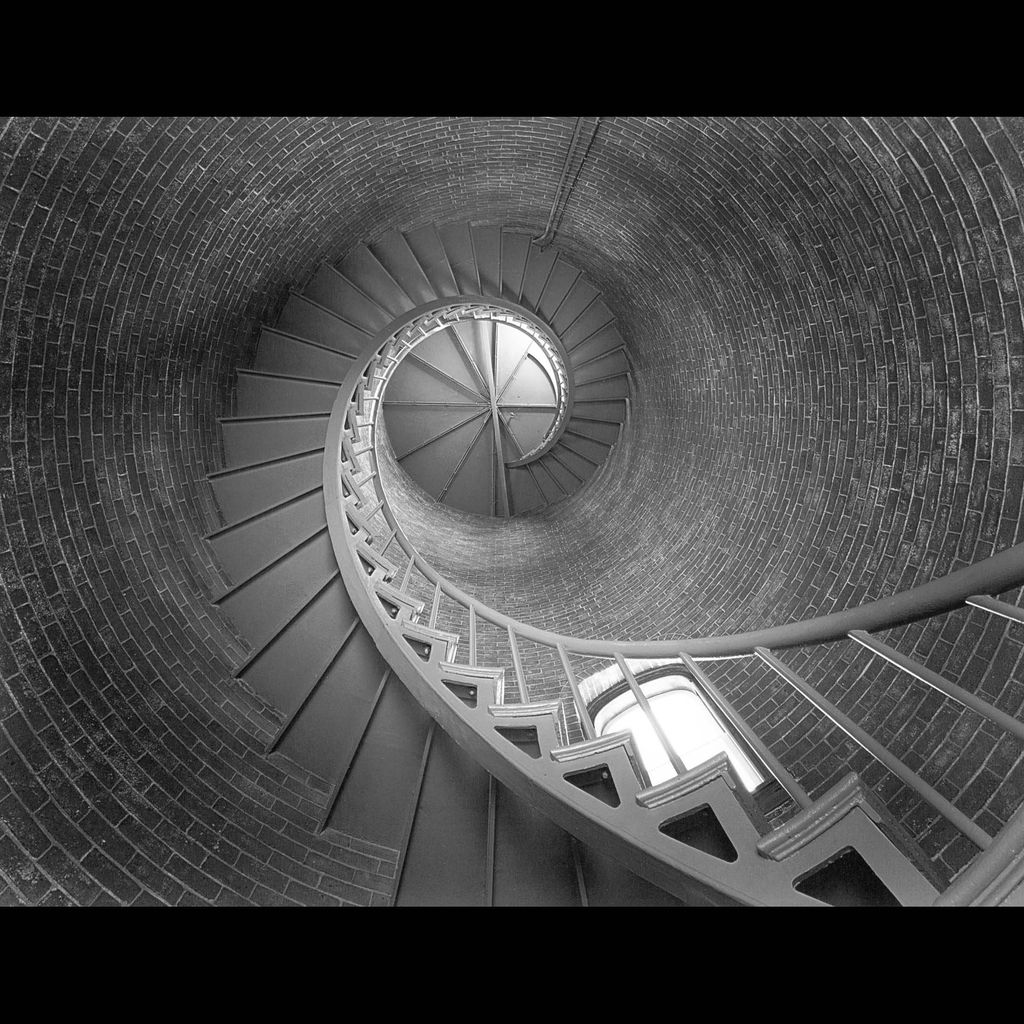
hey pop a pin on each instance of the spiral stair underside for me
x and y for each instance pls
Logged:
(395, 778)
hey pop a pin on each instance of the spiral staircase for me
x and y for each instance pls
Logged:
(491, 797)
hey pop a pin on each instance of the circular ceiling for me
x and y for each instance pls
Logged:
(471, 401)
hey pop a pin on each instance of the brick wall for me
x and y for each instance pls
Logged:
(825, 322)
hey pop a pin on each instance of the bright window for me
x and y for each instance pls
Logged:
(693, 730)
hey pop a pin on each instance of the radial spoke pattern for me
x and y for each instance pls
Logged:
(478, 415)
(547, 430)
(478, 369)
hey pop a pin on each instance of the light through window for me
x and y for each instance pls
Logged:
(689, 725)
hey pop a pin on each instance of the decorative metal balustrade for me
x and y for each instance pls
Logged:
(598, 788)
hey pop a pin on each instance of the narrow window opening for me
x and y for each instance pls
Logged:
(694, 731)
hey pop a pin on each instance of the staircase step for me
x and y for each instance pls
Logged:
(397, 258)
(365, 271)
(319, 736)
(243, 492)
(396, 603)
(850, 792)
(283, 353)
(249, 439)
(543, 480)
(386, 762)
(553, 465)
(458, 246)
(260, 607)
(609, 884)
(576, 464)
(585, 445)
(487, 249)
(603, 390)
(260, 541)
(268, 562)
(486, 682)
(333, 290)
(525, 493)
(562, 280)
(445, 863)
(605, 365)
(307, 319)
(611, 411)
(540, 265)
(428, 249)
(597, 430)
(442, 646)
(285, 668)
(515, 251)
(605, 339)
(533, 861)
(267, 394)
(595, 325)
(581, 298)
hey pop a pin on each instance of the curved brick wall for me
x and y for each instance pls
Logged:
(825, 323)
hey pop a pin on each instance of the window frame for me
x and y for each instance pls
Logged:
(721, 718)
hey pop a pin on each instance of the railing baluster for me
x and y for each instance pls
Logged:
(960, 820)
(581, 708)
(520, 678)
(641, 699)
(435, 605)
(990, 604)
(795, 790)
(408, 573)
(346, 446)
(472, 635)
(937, 682)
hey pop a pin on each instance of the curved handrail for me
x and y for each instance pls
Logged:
(366, 381)
(993, 575)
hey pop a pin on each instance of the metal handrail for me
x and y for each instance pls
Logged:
(995, 574)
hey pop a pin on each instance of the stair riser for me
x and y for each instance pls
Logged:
(258, 440)
(374, 800)
(515, 251)
(245, 492)
(285, 671)
(259, 608)
(593, 320)
(272, 396)
(426, 247)
(279, 353)
(533, 863)
(323, 734)
(613, 362)
(310, 321)
(395, 255)
(334, 291)
(250, 547)
(366, 273)
(603, 390)
(605, 339)
(446, 860)
(577, 304)
(487, 247)
(459, 249)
